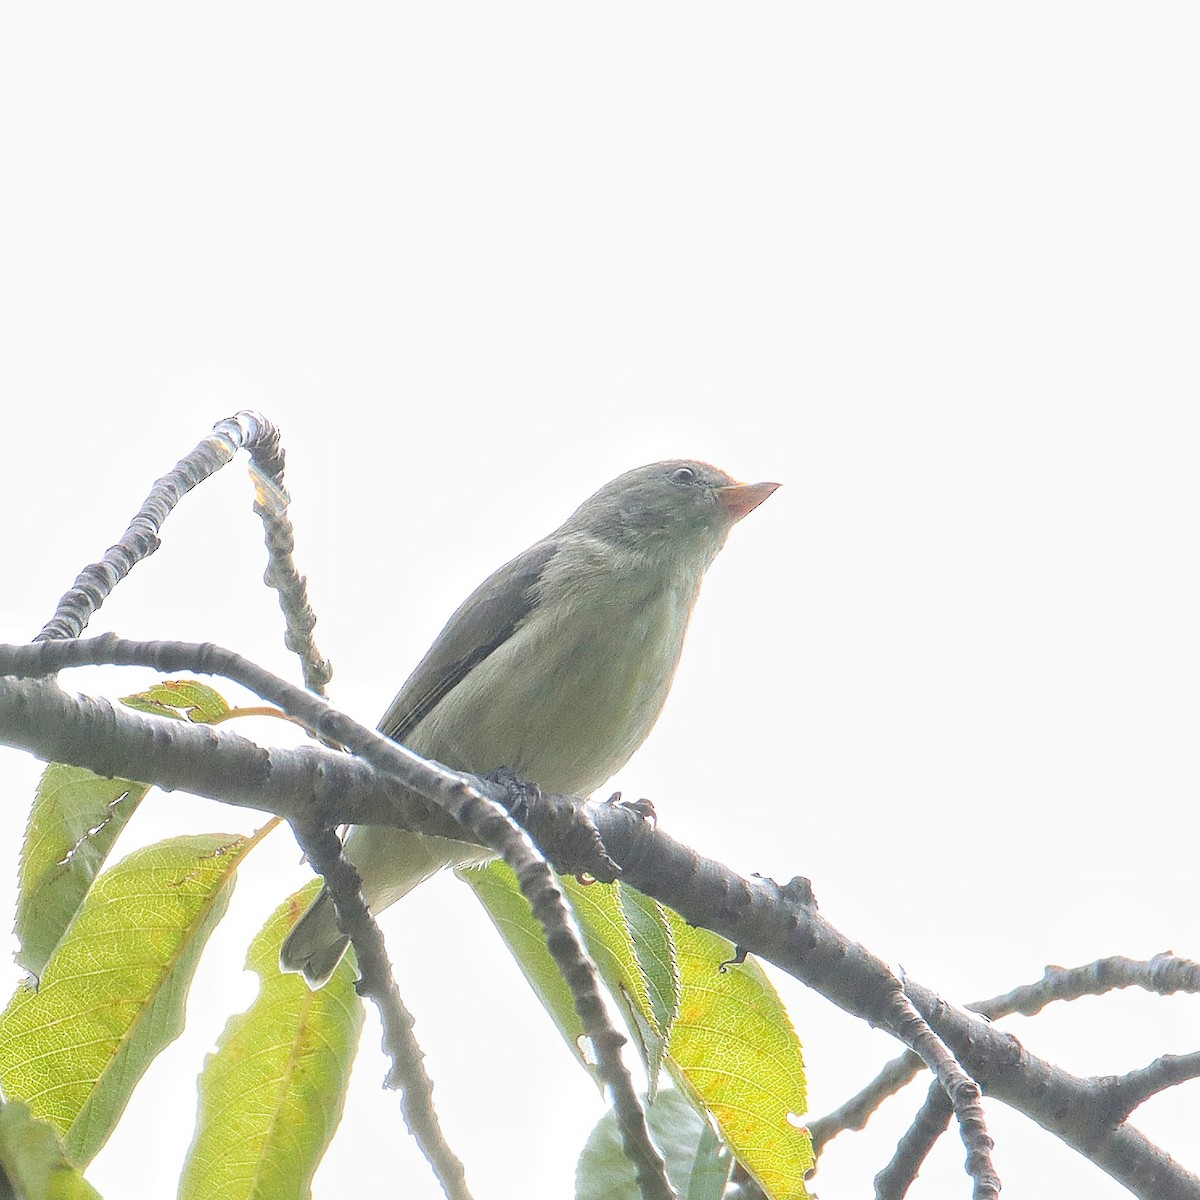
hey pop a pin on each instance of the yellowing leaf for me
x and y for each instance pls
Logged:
(733, 1047)
(728, 1041)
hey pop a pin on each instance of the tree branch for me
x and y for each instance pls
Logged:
(245, 430)
(893, 1182)
(1135, 1087)
(323, 850)
(1163, 974)
(778, 923)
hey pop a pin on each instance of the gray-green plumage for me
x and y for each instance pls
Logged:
(556, 666)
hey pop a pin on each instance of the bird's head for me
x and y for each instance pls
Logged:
(677, 507)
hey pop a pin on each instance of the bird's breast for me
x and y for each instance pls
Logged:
(573, 693)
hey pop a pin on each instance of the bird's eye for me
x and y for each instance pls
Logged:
(683, 475)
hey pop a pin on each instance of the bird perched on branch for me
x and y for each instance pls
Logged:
(556, 666)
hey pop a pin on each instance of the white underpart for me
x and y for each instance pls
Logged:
(564, 702)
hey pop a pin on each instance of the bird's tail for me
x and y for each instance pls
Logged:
(391, 862)
(315, 945)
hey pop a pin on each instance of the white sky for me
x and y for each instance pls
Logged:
(923, 263)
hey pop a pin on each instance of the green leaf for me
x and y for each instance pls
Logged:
(272, 1093)
(609, 939)
(627, 936)
(184, 699)
(32, 1159)
(497, 890)
(619, 947)
(75, 819)
(112, 995)
(697, 1164)
(733, 1048)
(655, 947)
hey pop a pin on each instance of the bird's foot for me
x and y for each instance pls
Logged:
(519, 793)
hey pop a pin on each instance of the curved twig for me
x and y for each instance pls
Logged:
(271, 502)
(1127, 1091)
(244, 430)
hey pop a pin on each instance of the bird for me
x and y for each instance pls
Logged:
(555, 668)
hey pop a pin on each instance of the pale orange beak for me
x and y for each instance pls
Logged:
(742, 498)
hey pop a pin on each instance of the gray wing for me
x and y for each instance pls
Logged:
(489, 616)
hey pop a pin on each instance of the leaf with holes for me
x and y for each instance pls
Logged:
(75, 819)
(729, 1044)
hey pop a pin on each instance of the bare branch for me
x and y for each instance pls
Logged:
(858, 1110)
(1125, 1092)
(271, 502)
(914, 1146)
(778, 923)
(245, 430)
(1070, 1107)
(324, 852)
(1164, 973)
(97, 580)
(963, 1097)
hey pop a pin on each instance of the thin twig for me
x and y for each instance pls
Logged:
(963, 1092)
(244, 430)
(858, 1110)
(97, 580)
(1137, 1086)
(1163, 974)
(271, 502)
(893, 1182)
(323, 850)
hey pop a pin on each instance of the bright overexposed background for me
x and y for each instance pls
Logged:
(923, 263)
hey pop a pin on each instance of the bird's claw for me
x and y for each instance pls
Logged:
(644, 808)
